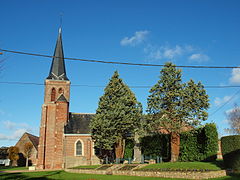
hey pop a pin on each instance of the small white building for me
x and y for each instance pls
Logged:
(4, 162)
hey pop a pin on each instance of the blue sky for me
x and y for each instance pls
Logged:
(187, 32)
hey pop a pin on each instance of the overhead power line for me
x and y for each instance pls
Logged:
(117, 62)
(85, 85)
(225, 103)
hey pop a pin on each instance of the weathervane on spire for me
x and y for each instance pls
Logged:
(61, 16)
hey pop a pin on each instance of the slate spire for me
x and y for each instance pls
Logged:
(58, 71)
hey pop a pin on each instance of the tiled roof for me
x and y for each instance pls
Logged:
(78, 123)
(33, 139)
(62, 98)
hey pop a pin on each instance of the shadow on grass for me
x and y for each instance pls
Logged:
(45, 176)
(11, 176)
(218, 163)
(233, 176)
(49, 174)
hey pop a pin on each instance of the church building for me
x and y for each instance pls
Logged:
(65, 139)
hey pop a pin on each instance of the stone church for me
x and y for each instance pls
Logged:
(65, 139)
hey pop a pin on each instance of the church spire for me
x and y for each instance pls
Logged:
(58, 71)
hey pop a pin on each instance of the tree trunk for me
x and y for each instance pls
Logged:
(27, 162)
(119, 148)
(14, 162)
(175, 146)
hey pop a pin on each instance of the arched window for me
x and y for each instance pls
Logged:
(79, 147)
(53, 94)
(60, 91)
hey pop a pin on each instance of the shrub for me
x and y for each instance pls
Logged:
(129, 148)
(155, 145)
(199, 144)
(189, 146)
(231, 151)
(210, 146)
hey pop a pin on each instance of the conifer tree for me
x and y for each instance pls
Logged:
(118, 115)
(173, 105)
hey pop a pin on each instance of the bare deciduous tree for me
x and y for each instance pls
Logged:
(28, 151)
(233, 118)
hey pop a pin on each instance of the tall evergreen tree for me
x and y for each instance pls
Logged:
(118, 115)
(173, 105)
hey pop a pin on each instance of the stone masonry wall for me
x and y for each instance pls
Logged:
(20, 144)
(167, 174)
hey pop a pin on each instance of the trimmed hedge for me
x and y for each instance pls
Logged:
(231, 151)
(200, 144)
(156, 145)
(129, 148)
(197, 145)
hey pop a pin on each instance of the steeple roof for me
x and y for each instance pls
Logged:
(62, 98)
(58, 71)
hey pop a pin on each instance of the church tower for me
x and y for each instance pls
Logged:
(55, 113)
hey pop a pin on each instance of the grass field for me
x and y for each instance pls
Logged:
(62, 175)
(87, 167)
(3, 168)
(69, 176)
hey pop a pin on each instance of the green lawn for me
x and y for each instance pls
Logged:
(72, 176)
(7, 168)
(183, 166)
(87, 167)
(69, 176)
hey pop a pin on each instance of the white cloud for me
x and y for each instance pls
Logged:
(171, 53)
(198, 57)
(14, 136)
(235, 78)
(137, 38)
(12, 125)
(9, 124)
(166, 52)
(219, 101)
(15, 129)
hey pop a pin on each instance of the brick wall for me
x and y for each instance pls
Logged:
(60, 87)
(219, 152)
(88, 156)
(54, 117)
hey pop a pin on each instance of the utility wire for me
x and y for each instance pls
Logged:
(81, 85)
(225, 103)
(85, 85)
(117, 62)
